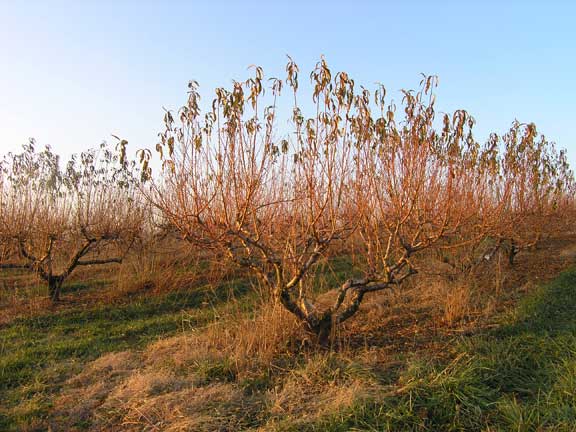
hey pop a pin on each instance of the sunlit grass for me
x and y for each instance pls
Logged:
(519, 377)
(38, 354)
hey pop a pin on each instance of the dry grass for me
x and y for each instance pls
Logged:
(232, 374)
(255, 371)
(20, 296)
(246, 344)
(163, 268)
(87, 390)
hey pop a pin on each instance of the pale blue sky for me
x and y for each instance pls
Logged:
(73, 73)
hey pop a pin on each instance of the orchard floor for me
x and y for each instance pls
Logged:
(206, 357)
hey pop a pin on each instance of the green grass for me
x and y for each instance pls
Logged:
(333, 273)
(38, 354)
(519, 377)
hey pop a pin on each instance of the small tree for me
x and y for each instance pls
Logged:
(543, 187)
(350, 177)
(56, 219)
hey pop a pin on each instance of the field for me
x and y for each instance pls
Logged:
(373, 267)
(210, 355)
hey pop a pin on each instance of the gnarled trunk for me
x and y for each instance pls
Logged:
(318, 324)
(512, 253)
(54, 287)
(321, 328)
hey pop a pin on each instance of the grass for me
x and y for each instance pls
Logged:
(37, 354)
(519, 377)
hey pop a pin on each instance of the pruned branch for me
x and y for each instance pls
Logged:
(14, 266)
(99, 261)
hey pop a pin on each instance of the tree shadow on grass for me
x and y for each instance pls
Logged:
(37, 354)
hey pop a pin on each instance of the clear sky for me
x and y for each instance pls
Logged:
(74, 72)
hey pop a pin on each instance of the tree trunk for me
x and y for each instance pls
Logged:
(318, 325)
(512, 254)
(321, 328)
(54, 285)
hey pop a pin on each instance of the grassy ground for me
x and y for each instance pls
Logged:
(39, 353)
(191, 359)
(521, 376)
